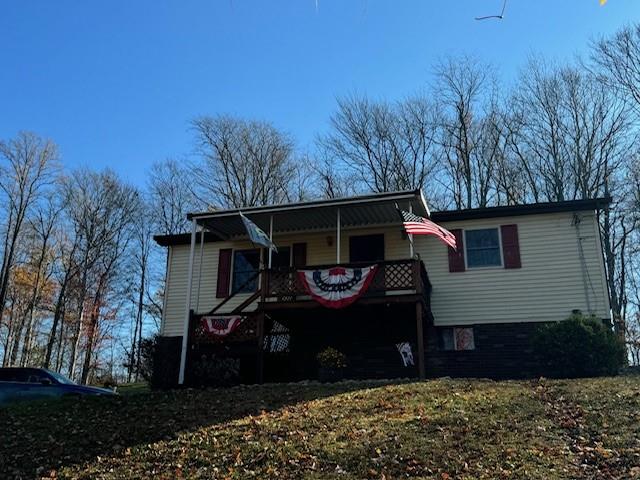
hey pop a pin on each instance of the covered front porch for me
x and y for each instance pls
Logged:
(273, 302)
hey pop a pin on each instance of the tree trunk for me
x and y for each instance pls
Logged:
(91, 334)
(140, 316)
(7, 341)
(56, 320)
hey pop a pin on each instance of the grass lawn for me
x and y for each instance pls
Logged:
(441, 429)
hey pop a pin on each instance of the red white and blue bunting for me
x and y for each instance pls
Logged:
(220, 326)
(337, 287)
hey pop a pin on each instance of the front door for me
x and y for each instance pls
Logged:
(366, 248)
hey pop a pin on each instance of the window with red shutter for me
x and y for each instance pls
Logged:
(456, 257)
(510, 246)
(224, 273)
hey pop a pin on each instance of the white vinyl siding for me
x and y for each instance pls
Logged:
(547, 287)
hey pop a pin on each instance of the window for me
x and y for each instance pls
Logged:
(245, 265)
(483, 248)
(13, 375)
(457, 339)
(38, 377)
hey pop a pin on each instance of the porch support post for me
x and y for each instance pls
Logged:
(270, 239)
(338, 228)
(187, 309)
(197, 309)
(260, 349)
(420, 332)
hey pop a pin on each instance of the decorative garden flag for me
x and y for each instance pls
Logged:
(337, 287)
(220, 326)
(415, 225)
(405, 352)
(257, 235)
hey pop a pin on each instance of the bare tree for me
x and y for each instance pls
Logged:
(382, 146)
(171, 197)
(332, 182)
(27, 168)
(66, 270)
(142, 251)
(43, 227)
(616, 62)
(101, 209)
(471, 135)
(242, 163)
(571, 136)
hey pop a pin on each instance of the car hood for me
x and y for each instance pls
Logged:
(87, 389)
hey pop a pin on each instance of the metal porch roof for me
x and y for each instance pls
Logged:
(368, 210)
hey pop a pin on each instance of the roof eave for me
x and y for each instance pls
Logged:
(338, 202)
(517, 210)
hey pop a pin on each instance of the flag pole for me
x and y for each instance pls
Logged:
(409, 236)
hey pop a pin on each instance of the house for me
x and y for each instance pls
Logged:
(466, 312)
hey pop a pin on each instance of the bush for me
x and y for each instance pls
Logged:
(331, 358)
(160, 361)
(148, 348)
(214, 371)
(580, 346)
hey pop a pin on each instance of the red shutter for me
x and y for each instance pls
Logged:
(224, 273)
(456, 257)
(510, 246)
(299, 254)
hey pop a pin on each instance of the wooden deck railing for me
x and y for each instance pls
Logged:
(283, 284)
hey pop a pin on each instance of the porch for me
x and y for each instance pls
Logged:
(279, 340)
(397, 281)
(365, 231)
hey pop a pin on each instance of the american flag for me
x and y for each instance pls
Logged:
(415, 225)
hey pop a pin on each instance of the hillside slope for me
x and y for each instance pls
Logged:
(441, 429)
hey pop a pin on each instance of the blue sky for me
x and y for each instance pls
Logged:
(116, 83)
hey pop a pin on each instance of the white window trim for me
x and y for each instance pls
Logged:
(466, 245)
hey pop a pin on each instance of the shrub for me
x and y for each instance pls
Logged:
(148, 347)
(331, 358)
(214, 371)
(580, 346)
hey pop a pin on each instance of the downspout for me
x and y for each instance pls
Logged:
(583, 266)
(604, 262)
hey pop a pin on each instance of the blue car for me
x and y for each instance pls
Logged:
(19, 384)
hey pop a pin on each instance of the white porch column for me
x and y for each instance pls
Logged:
(197, 309)
(187, 311)
(338, 238)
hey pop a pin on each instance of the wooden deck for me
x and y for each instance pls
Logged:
(394, 281)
